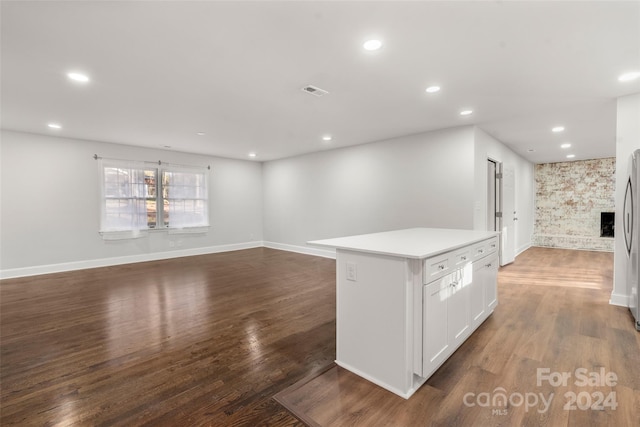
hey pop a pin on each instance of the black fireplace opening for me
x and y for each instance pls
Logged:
(607, 224)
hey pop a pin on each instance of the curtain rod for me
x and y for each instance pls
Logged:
(96, 157)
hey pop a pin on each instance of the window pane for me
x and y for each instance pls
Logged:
(139, 214)
(152, 213)
(185, 195)
(150, 183)
(116, 182)
(129, 198)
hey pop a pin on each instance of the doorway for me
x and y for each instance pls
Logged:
(501, 214)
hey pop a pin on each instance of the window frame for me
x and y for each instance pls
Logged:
(202, 190)
(111, 230)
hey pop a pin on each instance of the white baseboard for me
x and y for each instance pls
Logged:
(619, 299)
(157, 256)
(130, 259)
(325, 253)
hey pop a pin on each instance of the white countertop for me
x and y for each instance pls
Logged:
(409, 243)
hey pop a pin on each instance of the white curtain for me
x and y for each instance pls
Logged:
(185, 198)
(124, 191)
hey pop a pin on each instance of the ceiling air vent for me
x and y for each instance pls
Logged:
(314, 90)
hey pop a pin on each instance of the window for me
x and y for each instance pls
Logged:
(184, 195)
(140, 196)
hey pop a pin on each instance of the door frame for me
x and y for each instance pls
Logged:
(499, 209)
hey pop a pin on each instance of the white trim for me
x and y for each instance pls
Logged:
(124, 234)
(130, 259)
(619, 299)
(325, 253)
(204, 229)
(574, 249)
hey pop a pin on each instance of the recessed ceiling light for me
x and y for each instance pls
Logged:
(466, 112)
(200, 133)
(432, 89)
(627, 77)
(570, 156)
(252, 155)
(54, 126)
(565, 145)
(372, 44)
(557, 129)
(327, 138)
(78, 77)
(314, 90)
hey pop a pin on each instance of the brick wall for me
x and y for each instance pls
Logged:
(569, 199)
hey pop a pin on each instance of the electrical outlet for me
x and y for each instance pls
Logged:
(352, 272)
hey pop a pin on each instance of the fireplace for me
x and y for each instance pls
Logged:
(607, 224)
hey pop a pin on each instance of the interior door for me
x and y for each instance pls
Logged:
(507, 223)
(492, 195)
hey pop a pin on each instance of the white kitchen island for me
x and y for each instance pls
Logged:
(407, 299)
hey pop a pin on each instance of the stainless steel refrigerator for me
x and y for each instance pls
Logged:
(631, 222)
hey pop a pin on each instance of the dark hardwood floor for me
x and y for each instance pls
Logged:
(209, 340)
(205, 340)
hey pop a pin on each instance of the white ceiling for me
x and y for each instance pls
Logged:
(163, 71)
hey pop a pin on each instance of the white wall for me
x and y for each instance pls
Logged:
(627, 140)
(414, 181)
(486, 148)
(49, 213)
(425, 180)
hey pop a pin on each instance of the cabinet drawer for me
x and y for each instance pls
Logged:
(492, 245)
(480, 249)
(484, 248)
(437, 267)
(490, 262)
(462, 257)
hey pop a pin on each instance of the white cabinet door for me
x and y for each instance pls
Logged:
(454, 306)
(478, 302)
(458, 309)
(435, 333)
(484, 292)
(490, 279)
